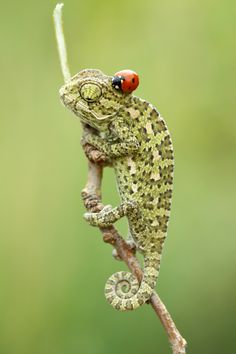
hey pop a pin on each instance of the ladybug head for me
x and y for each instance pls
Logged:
(125, 81)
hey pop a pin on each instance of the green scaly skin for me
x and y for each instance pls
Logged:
(136, 141)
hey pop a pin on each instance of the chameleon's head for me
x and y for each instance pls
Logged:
(92, 96)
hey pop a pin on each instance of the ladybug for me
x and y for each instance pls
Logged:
(125, 81)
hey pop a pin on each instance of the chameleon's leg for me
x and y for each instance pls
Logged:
(111, 149)
(109, 216)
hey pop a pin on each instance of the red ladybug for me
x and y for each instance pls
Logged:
(125, 81)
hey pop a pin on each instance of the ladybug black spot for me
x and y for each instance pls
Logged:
(117, 82)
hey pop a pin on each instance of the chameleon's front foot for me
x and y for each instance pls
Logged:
(94, 155)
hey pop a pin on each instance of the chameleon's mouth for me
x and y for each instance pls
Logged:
(84, 112)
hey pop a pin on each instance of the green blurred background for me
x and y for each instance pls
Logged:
(53, 265)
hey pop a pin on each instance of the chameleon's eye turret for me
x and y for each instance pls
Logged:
(125, 80)
(90, 92)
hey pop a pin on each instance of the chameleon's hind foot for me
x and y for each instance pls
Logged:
(107, 216)
(95, 219)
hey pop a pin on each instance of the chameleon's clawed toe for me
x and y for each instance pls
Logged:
(91, 218)
(88, 216)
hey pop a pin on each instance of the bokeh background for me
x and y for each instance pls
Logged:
(53, 265)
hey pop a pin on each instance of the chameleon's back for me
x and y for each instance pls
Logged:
(147, 176)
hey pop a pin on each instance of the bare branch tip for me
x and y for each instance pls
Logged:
(58, 8)
(57, 17)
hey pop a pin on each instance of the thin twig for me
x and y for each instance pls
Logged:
(92, 200)
(57, 16)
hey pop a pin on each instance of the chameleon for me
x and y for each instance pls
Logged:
(137, 144)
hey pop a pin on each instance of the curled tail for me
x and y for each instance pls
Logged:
(122, 289)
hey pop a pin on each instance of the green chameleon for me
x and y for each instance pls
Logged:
(136, 142)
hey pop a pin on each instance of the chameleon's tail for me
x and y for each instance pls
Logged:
(122, 289)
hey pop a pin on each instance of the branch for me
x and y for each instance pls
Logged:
(91, 195)
(57, 17)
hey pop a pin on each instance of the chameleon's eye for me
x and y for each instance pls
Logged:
(125, 81)
(90, 92)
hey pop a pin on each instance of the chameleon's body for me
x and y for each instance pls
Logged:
(135, 139)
